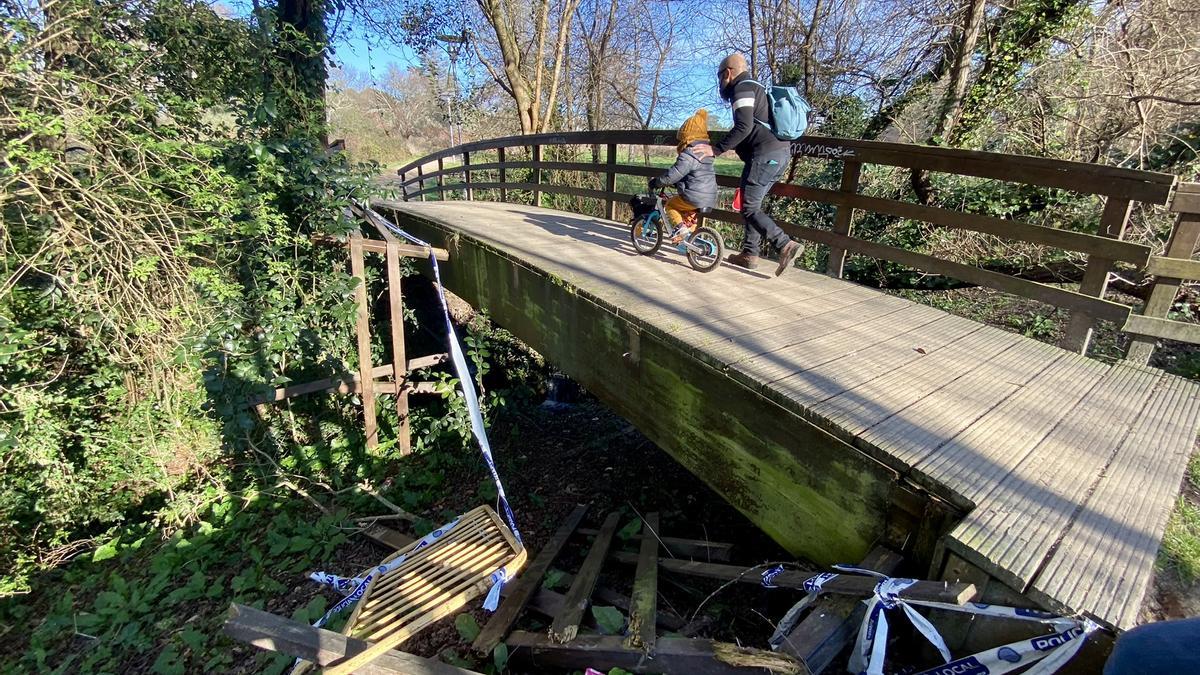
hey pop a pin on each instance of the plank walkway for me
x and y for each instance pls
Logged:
(1066, 467)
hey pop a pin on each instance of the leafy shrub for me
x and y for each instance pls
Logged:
(159, 196)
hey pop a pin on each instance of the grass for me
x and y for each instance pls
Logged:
(1180, 552)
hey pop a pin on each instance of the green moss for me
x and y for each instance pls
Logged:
(814, 494)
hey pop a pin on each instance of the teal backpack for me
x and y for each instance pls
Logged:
(789, 111)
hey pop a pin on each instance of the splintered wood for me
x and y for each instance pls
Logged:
(431, 584)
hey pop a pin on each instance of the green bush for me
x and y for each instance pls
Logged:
(159, 196)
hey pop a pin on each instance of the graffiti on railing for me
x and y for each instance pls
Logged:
(821, 151)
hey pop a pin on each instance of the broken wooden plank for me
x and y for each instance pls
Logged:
(672, 656)
(666, 620)
(344, 384)
(566, 624)
(691, 548)
(427, 361)
(845, 584)
(526, 586)
(322, 647)
(376, 246)
(387, 536)
(644, 599)
(834, 620)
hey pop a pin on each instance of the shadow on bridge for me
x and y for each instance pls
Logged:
(698, 295)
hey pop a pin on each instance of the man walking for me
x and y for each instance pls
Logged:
(765, 156)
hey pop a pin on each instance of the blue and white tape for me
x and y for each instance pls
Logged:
(359, 584)
(768, 576)
(1048, 653)
(492, 601)
(464, 378)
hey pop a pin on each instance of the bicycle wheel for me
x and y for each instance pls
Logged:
(646, 233)
(705, 250)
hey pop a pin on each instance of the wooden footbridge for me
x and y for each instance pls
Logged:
(836, 416)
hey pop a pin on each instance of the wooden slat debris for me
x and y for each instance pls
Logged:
(834, 620)
(322, 647)
(689, 548)
(672, 656)
(665, 619)
(846, 584)
(387, 536)
(644, 599)
(566, 625)
(524, 588)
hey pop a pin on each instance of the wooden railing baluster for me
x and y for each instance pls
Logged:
(610, 182)
(441, 179)
(844, 220)
(503, 175)
(536, 177)
(1095, 275)
(468, 194)
(1184, 240)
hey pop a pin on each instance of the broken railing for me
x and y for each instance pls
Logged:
(1119, 188)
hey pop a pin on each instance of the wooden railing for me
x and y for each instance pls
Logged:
(1118, 187)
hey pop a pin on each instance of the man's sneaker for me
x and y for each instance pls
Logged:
(787, 256)
(743, 259)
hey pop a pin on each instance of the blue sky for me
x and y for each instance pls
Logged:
(358, 50)
(354, 49)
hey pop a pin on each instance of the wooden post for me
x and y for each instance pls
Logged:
(421, 181)
(643, 602)
(503, 174)
(399, 360)
(1095, 275)
(441, 179)
(610, 182)
(468, 193)
(844, 220)
(403, 187)
(363, 329)
(1182, 244)
(536, 176)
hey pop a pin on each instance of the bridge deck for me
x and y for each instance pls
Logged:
(1067, 468)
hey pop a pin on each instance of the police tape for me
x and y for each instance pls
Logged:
(464, 379)
(1046, 653)
(354, 588)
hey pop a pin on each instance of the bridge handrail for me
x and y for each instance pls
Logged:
(1119, 186)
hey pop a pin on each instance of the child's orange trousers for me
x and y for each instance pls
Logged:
(678, 209)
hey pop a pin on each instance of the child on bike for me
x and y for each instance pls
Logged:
(692, 174)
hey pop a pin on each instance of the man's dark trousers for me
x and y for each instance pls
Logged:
(758, 175)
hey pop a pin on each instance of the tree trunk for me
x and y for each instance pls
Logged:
(753, 39)
(810, 59)
(306, 65)
(564, 29)
(956, 89)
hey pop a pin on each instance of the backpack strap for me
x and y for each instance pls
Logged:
(766, 93)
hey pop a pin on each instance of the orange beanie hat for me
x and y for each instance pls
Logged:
(694, 129)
